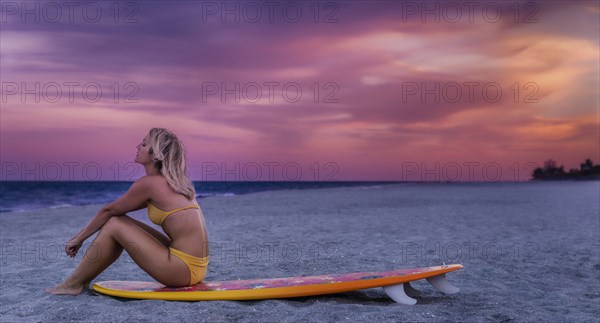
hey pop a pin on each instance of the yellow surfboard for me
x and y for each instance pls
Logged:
(395, 283)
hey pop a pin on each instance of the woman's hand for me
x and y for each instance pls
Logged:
(73, 246)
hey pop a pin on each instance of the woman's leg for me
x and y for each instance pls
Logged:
(118, 250)
(105, 263)
(155, 233)
(117, 234)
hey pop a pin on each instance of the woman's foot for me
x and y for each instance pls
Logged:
(64, 289)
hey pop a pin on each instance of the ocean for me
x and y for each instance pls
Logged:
(18, 196)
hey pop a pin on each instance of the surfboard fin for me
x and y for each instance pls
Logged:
(398, 293)
(410, 291)
(440, 283)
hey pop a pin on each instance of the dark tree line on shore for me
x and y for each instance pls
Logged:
(587, 171)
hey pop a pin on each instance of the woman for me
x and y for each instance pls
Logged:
(178, 259)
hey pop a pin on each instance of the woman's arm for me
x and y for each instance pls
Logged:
(134, 199)
(97, 222)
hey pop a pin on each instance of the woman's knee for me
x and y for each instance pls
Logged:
(112, 223)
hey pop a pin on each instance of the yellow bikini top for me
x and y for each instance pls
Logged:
(158, 216)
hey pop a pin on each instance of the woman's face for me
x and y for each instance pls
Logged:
(143, 155)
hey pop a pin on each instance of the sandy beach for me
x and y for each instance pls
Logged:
(530, 252)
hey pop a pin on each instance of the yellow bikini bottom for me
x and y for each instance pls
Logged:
(197, 266)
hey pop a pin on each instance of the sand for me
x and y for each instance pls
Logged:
(530, 251)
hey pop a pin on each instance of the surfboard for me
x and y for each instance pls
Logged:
(396, 284)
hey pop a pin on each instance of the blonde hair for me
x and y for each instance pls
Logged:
(168, 153)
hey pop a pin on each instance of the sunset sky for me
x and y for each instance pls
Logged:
(376, 65)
